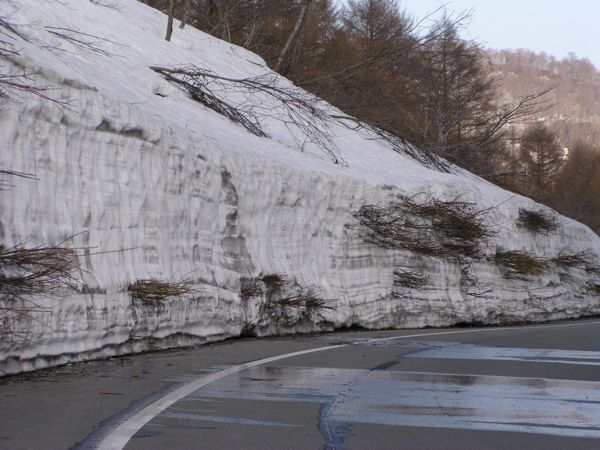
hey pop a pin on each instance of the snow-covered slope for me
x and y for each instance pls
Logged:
(154, 185)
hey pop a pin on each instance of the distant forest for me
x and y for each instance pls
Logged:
(525, 121)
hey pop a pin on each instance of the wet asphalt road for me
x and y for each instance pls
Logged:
(492, 388)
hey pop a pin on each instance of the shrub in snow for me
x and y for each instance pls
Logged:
(154, 292)
(426, 225)
(536, 221)
(520, 263)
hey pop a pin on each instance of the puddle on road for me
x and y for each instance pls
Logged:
(527, 405)
(451, 350)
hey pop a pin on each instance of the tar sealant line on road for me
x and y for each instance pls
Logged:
(565, 408)
(118, 437)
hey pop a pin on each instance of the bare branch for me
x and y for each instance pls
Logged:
(109, 5)
(428, 226)
(13, 83)
(295, 108)
(83, 41)
(13, 173)
(384, 133)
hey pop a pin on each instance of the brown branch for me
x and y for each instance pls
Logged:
(81, 40)
(292, 106)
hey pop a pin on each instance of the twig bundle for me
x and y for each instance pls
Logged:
(307, 302)
(521, 263)
(536, 221)
(29, 272)
(409, 278)
(37, 270)
(283, 297)
(274, 282)
(581, 259)
(430, 227)
(155, 292)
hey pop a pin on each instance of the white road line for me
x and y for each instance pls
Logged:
(118, 438)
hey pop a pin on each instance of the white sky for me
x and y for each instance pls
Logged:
(554, 26)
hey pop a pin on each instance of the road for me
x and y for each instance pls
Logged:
(489, 388)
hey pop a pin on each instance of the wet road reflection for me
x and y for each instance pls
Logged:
(457, 350)
(518, 404)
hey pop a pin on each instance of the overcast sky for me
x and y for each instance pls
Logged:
(554, 26)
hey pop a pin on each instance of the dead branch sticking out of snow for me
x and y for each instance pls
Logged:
(13, 173)
(410, 277)
(88, 43)
(154, 292)
(536, 221)
(517, 263)
(29, 272)
(381, 133)
(284, 301)
(242, 100)
(107, 4)
(427, 226)
(13, 83)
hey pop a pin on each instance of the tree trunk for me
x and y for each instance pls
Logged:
(285, 58)
(170, 21)
(185, 17)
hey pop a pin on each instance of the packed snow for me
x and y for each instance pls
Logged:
(148, 183)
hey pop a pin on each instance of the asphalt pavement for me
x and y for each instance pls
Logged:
(489, 388)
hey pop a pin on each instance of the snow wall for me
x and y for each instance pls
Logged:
(148, 184)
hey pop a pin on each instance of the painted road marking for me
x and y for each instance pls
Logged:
(118, 437)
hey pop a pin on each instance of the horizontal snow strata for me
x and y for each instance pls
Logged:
(159, 187)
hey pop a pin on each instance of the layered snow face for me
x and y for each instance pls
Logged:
(149, 184)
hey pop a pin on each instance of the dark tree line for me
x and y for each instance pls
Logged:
(565, 178)
(416, 80)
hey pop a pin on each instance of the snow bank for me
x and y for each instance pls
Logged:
(154, 185)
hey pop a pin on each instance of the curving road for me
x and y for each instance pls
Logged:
(514, 387)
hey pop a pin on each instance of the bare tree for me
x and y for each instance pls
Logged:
(380, 36)
(541, 158)
(185, 15)
(459, 115)
(576, 190)
(285, 57)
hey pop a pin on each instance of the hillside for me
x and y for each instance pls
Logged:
(151, 219)
(576, 93)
